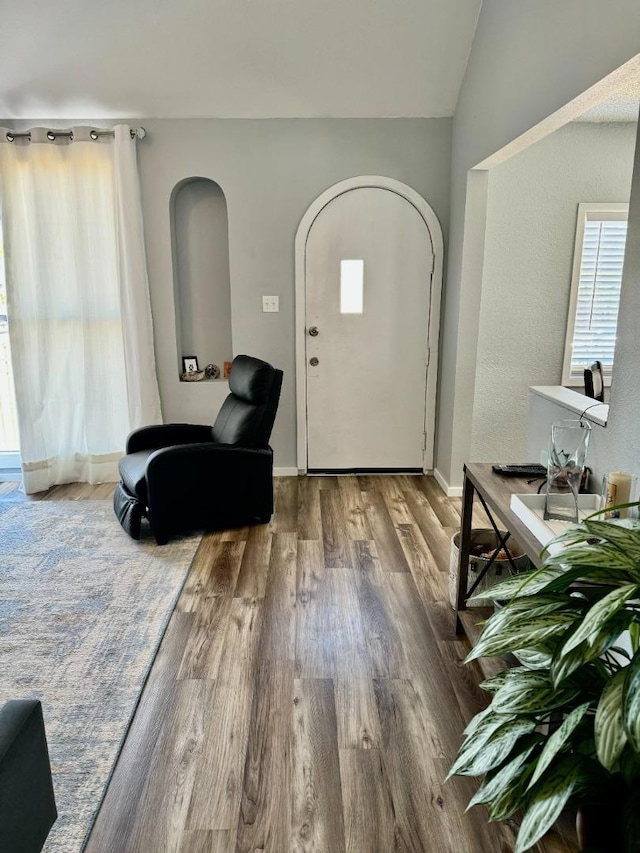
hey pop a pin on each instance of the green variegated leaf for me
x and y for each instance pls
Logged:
(509, 618)
(505, 777)
(634, 634)
(524, 634)
(609, 725)
(600, 512)
(538, 605)
(516, 674)
(631, 703)
(530, 692)
(592, 575)
(566, 663)
(475, 740)
(535, 701)
(488, 724)
(535, 658)
(605, 556)
(563, 665)
(491, 685)
(509, 801)
(558, 739)
(494, 750)
(547, 801)
(572, 536)
(483, 719)
(526, 583)
(499, 622)
(600, 613)
(477, 721)
(625, 538)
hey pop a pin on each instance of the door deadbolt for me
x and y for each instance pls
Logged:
(313, 331)
(314, 362)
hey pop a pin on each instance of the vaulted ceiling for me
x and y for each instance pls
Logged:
(233, 58)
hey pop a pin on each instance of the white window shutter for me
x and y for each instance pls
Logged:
(592, 334)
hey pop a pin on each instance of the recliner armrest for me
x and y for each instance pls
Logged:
(208, 481)
(166, 435)
(198, 457)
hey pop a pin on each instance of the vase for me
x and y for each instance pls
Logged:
(567, 454)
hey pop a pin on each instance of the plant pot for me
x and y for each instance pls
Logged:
(598, 827)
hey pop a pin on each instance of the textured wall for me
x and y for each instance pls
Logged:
(528, 257)
(270, 172)
(527, 61)
(617, 446)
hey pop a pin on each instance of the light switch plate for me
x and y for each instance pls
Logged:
(270, 304)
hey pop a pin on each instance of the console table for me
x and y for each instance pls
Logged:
(494, 492)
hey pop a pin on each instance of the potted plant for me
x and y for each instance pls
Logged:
(563, 727)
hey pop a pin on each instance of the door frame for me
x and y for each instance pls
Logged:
(435, 231)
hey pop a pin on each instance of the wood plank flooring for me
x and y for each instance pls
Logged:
(309, 694)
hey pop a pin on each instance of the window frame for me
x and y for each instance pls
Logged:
(587, 211)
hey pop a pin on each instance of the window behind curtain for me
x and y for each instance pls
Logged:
(9, 441)
(601, 234)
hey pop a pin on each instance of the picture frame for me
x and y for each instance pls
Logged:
(189, 364)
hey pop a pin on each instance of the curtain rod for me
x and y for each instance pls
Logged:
(52, 135)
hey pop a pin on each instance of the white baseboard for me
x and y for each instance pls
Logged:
(285, 472)
(450, 491)
(10, 476)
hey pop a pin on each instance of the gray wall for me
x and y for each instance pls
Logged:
(527, 60)
(531, 220)
(270, 172)
(615, 447)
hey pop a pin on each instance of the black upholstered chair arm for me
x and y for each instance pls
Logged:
(27, 803)
(182, 481)
(12, 717)
(205, 460)
(165, 435)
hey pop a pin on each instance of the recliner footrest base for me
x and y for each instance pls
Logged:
(128, 511)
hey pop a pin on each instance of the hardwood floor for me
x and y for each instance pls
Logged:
(309, 694)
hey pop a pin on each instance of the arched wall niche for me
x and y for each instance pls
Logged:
(202, 286)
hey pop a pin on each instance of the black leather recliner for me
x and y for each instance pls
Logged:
(190, 476)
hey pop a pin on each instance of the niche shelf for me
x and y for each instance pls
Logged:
(202, 287)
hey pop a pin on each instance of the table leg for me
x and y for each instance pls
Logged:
(468, 492)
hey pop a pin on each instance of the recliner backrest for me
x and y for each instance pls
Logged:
(247, 415)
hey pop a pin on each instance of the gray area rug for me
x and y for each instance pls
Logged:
(82, 611)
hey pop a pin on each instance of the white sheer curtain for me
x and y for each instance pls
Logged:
(78, 302)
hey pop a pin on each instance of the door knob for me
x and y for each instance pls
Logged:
(313, 331)
(314, 362)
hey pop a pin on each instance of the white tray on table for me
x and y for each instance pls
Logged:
(530, 510)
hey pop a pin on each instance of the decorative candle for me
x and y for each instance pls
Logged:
(620, 484)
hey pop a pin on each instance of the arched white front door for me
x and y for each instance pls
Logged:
(368, 302)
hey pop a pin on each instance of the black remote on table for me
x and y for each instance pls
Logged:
(525, 470)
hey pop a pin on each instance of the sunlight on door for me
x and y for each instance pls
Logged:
(9, 442)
